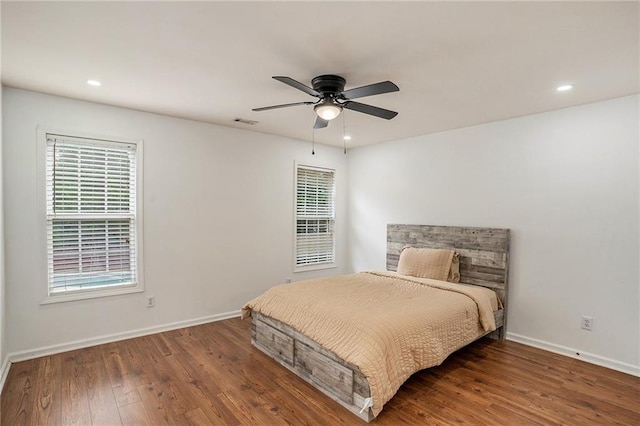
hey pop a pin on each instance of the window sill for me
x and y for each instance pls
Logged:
(315, 267)
(90, 294)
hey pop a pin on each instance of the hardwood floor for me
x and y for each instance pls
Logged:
(211, 375)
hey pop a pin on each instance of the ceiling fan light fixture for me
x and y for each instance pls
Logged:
(327, 110)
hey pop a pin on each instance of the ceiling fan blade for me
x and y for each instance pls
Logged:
(320, 123)
(293, 83)
(282, 106)
(370, 90)
(371, 110)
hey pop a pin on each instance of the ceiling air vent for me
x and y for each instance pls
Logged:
(245, 121)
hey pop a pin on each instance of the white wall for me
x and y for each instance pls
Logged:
(3, 365)
(564, 182)
(218, 219)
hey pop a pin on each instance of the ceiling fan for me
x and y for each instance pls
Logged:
(332, 98)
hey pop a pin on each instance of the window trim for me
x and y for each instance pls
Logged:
(316, 266)
(87, 293)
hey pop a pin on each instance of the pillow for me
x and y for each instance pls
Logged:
(454, 271)
(426, 263)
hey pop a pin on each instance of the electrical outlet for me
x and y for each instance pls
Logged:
(587, 323)
(288, 280)
(151, 301)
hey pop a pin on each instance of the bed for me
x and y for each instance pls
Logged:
(349, 366)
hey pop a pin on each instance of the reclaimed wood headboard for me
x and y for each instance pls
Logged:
(484, 252)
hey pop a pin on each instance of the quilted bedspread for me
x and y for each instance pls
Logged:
(386, 324)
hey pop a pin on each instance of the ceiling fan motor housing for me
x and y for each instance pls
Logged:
(331, 85)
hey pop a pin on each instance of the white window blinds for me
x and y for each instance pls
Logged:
(91, 213)
(315, 216)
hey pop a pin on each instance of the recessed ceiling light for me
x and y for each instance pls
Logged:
(95, 83)
(347, 137)
(564, 87)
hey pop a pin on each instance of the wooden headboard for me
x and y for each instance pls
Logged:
(484, 252)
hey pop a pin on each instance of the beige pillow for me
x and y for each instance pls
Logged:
(425, 263)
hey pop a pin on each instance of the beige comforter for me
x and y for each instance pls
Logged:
(388, 325)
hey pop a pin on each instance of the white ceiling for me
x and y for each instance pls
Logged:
(457, 64)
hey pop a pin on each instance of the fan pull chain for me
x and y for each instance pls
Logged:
(344, 133)
(313, 140)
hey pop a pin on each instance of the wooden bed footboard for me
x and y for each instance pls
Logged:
(319, 367)
(322, 369)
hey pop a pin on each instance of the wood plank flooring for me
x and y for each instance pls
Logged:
(211, 375)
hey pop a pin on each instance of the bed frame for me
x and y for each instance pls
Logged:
(484, 261)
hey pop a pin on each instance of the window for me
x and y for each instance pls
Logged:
(92, 205)
(315, 218)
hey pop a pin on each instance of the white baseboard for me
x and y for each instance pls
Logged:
(85, 343)
(634, 370)
(4, 372)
